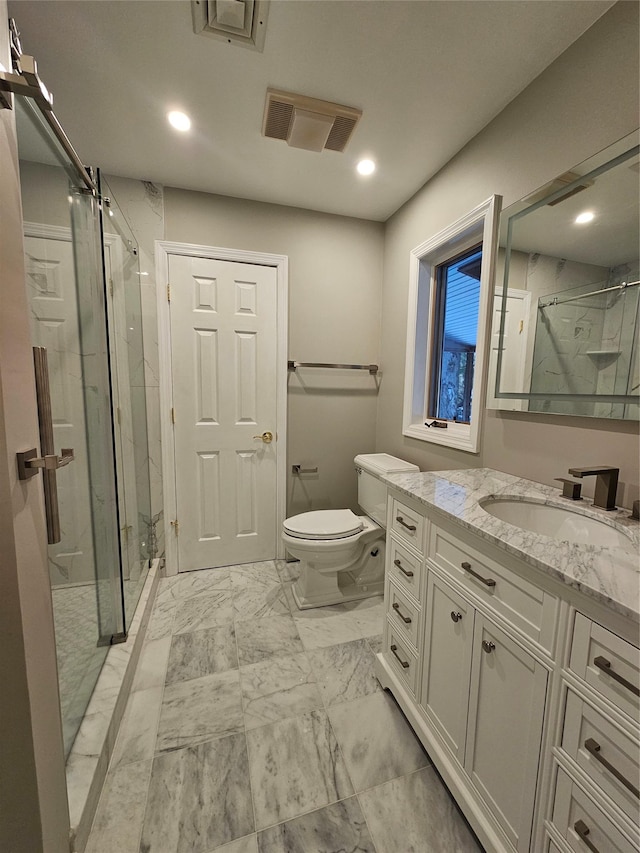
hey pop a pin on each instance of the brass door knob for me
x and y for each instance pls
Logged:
(267, 437)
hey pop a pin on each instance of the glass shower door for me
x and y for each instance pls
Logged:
(65, 291)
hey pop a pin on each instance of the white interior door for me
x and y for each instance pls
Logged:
(223, 325)
(51, 288)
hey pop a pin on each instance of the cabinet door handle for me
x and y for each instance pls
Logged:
(456, 616)
(405, 664)
(402, 568)
(401, 521)
(396, 607)
(593, 748)
(485, 581)
(605, 666)
(583, 831)
(488, 646)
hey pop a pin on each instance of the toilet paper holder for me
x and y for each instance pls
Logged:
(298, 469)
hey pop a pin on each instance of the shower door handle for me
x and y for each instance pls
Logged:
(29, 463)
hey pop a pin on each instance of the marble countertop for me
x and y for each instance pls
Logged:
(609, 575)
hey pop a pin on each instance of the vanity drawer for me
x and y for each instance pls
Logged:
(607, 663)
(405, 569)
(516, 599)
(408, 524)
(403, 661)
(609, 756)
(404, 615)
(584, 826)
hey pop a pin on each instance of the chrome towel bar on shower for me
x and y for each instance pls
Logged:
(372, 368)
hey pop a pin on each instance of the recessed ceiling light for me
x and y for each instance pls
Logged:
(179, 120)
(366, 167)
(587, 216)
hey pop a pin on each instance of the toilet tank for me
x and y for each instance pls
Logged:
(372, 492)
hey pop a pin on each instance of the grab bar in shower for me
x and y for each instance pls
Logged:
(372, 368)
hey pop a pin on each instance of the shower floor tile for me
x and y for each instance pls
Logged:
(265, 756)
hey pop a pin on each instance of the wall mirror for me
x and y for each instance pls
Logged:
(567, 300)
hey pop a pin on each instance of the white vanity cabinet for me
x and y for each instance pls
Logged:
(495, 671)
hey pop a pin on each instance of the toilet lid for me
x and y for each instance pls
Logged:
(323, 524)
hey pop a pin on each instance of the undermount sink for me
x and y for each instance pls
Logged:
(558, 523)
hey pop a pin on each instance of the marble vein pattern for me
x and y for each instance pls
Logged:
(295, 766)
(337, 828)
(199, 798)
(382, 746)
(268, 637)
(137, 734)
(204, 611)
(152, 666)
(416, 814)
(200, 709)
(202, 653)
(248, 844)
(278, 688)
(609, 575)
(118, 821)
(258, 591)
(345, 671)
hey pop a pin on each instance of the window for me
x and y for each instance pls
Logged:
(449, 300)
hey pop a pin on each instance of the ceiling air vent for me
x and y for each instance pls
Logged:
(240, 22)
(308, 123)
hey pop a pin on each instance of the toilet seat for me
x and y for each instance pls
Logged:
(324, 524)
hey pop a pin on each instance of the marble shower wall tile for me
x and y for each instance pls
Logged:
(336, 828)
(382, 746)
(199, 798)
(199, 710)
(345, 671)
(278, 688)
(416, 813)
(202, 653)
(295, 766)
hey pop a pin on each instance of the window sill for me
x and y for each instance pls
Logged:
(457, 436)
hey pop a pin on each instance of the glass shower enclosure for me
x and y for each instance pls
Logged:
(83, 291)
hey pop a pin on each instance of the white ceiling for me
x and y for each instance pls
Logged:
(428, 75)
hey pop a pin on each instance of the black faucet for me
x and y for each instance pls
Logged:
(606, 484)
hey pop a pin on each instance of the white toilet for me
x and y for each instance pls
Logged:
(342, 554)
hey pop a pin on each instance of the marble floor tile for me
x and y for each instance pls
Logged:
(381, 746)
(188, 584)
(267, 600)
(202, 653)
(259, 639)
(152, 664)
(199, 798)
(345, 671)
(288, 570)
(199, 710)
(161, 621)
(337, 828)
(416, 814)
(137, 733)
(375, 643)
(118, 821)
(370, 619)
(278, 688)
(254, 574)
(322, 631)
(204, 611)
(295, 767)
(248, 844)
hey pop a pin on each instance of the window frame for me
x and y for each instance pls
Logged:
(478, 227)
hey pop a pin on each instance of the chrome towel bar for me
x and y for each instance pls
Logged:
(372, 368)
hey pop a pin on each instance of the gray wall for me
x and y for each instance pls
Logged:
(335, 278)
(584, 101)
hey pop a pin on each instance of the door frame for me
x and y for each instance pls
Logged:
(163, 249)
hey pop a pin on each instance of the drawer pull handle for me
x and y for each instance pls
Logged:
(593, 748)
(605, 666)
(583, 830)
(405, 619)
(401, 521)
(488, 646)
(485, 581)
(456, 616)
(405, 664)
(402, 568)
